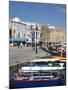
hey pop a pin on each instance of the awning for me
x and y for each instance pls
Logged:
(17, 39)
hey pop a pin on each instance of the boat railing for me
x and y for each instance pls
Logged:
(40, 68)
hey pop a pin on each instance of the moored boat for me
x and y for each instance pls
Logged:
(39, 73)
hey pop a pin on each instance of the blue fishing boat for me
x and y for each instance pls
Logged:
(39, 73)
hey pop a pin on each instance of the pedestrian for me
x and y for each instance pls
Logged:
(21, 44)
(18, 44)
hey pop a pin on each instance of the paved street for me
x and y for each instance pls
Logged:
(19, 55)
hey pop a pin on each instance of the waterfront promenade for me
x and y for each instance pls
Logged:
(20, 55)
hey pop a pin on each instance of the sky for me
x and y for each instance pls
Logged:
(42, 13)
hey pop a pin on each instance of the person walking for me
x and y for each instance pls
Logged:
(21, 44)
(18, 44)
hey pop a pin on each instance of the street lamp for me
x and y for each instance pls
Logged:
(33, 37)
(36, 39)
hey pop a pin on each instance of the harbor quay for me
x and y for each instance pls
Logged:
(24, 54)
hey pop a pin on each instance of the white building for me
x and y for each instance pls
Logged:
(18, 31)
(23, 31)
(36, 33)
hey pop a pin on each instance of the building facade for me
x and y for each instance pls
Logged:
(23, 31)
(18, 32)
(36, 33)
(45, 33)
(52, 34)
(57, 35)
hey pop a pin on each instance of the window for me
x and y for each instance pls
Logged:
(10, 33)
(13, 36)
(19, 34)
(41, 35)
(28, 35)
(33, 34)
(24, 35)
(14, 31)
(36, 28)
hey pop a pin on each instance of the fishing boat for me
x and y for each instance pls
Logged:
(60, 51)
(39, 73)
(60, 57)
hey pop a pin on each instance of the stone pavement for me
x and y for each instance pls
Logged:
(20, 55)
